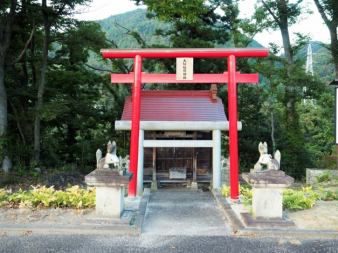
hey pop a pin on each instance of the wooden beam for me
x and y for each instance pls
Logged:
(177, 143)
(176, 125)
(171, 78)
(184, 52)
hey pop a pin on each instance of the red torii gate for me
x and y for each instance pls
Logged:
(231, 77)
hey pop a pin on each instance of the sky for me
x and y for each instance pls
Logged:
(310, 24)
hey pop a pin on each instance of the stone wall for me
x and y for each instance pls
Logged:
(312, 174)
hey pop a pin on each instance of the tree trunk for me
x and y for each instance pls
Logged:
(286, 43)
(284, 29)
(290, 96)
(18, 123)
(5, 40)
(4, 159)
(41, 87)
(273, 140)
(3, 99)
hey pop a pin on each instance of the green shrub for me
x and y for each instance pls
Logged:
(245, 192)
(225, 191)
(246, 195)
(327, 195)
(304, 198)
(298, 199)
(42, 196)
(3, 197)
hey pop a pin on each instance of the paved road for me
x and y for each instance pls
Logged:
(181, 221)
(184, 212)
(159, 244)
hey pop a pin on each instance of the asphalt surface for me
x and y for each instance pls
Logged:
(184, 212)
(158, 244)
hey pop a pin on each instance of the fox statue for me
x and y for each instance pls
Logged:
(110, 158)
(266, 160)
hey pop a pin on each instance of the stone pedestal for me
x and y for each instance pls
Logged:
(267, 202)
(267, 192)
(109, 201)
(110, 188)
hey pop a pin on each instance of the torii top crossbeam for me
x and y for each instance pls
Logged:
(182, 52)
(231, 77)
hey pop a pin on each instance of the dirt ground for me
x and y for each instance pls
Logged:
(323, 216)
(43, 216)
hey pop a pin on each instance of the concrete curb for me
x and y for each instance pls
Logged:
(142, 210)
(80, 229)
(88, 227)
(235, 223)
(239, 229)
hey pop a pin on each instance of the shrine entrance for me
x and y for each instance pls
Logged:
(184, 75)
(166, 165)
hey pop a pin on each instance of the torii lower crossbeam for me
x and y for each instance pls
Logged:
(197, 78)
(231, 78)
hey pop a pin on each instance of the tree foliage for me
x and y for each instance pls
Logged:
(289, 108)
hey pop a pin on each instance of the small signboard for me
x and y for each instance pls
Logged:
(178, 173)
(184, 69)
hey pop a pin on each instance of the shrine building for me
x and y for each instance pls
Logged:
(180, 136)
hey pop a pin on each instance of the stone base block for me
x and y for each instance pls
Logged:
(153, 186)
(260, 222)
(267, 202)
(194, 186)
(109, 201)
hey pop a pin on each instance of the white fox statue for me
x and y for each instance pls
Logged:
(110, 158)
(266, 160)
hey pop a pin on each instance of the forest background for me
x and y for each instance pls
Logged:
(57, 105)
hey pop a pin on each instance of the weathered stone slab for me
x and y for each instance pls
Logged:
(107, 177)
(312, 174)
(268, 178)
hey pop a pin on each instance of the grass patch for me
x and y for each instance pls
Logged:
(48, 197)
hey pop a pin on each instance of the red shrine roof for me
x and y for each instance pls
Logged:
(177, 105)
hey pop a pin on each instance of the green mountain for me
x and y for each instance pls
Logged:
(117, 27)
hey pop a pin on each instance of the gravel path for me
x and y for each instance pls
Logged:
(184, 212)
